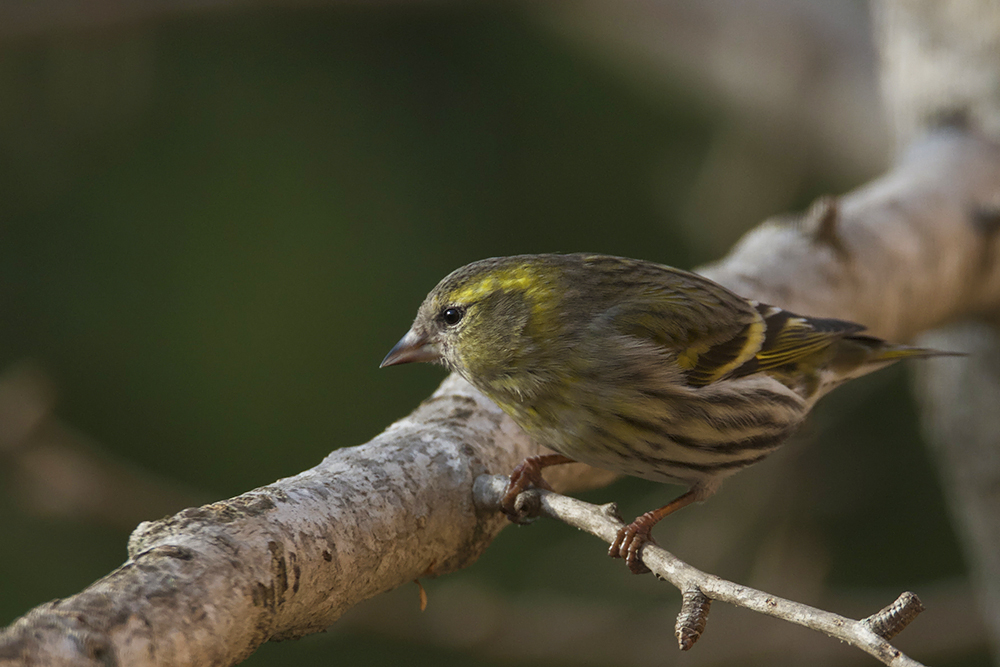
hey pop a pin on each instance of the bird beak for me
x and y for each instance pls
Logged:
(411, 347)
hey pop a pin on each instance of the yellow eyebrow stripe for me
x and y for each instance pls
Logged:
(519, 279)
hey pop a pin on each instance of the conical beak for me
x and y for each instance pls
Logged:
(411, 347)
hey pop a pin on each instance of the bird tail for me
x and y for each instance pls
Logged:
(879, 351)
(858, 355)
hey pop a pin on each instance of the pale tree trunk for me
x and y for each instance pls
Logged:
(941, 64)
(913, 250)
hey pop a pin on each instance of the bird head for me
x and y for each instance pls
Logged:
(483, 321)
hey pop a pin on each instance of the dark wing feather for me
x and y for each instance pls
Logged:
(792, 338)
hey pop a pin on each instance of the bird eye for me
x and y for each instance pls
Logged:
(452, 316)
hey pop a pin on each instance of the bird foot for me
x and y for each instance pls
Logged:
(630, 540)
(526, 475)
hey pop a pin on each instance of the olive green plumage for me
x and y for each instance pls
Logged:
(636, 367)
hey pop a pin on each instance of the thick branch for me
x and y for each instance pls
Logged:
(210, 584)
(903, 254)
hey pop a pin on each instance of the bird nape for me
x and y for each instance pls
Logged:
(635, 367)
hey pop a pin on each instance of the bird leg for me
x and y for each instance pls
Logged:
(526, 474)
(631, 538)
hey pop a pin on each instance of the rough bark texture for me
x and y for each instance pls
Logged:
(209, 585)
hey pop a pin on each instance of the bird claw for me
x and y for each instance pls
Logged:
(629, 542)
(526, 475)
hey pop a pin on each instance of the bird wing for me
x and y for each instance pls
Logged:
(706, 329)
(712, 333)
(790, 338)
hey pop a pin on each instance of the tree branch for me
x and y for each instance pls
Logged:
(903, 254)
(699, 588)
(210, 584)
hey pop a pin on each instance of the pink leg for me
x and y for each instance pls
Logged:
(628, 544)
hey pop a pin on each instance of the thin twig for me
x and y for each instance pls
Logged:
(603, 522)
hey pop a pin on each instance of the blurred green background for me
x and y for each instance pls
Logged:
(214, 225)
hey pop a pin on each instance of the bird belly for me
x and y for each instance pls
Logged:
(675, 434)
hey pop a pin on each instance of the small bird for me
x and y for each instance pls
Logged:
(635, 367)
